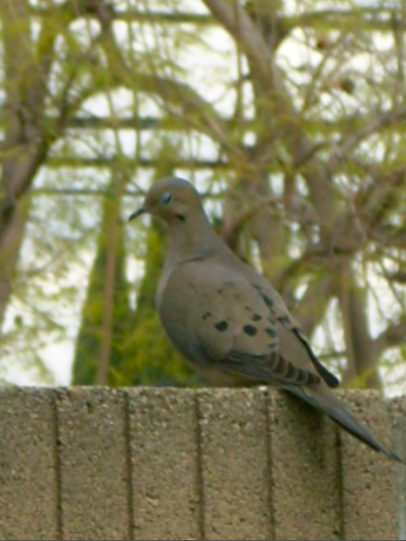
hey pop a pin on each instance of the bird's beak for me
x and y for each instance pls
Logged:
(137, 213)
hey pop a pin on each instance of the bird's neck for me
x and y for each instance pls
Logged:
(191, 240)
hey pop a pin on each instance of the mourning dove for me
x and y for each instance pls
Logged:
(226, 320)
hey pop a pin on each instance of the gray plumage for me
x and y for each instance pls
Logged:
(228, 322)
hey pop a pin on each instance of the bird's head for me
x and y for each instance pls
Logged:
(171, 199)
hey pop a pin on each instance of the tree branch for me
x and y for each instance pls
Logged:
(282, 113)
(394, 335)
(311, 308)
(328, 19)
(351, 141)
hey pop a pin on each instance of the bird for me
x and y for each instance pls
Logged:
(227, 321)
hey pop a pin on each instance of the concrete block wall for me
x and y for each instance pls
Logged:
(95, 463)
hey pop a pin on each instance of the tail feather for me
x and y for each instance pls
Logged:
(325, 401)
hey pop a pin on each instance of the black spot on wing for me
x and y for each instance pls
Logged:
(303, 377)
(221, 326)
(256, 317)
(267, 300)
(270, 332)
(250, 330)
(206, 315)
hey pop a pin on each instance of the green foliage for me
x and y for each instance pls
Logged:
(140, 353)
(149, 358)
(89, 341)
(300, 158)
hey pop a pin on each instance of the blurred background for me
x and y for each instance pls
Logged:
(289, 116)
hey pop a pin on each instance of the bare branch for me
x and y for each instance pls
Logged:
(281, 110)
(100, 161)
(380, 18)
(311, 308)
(394, 335)
(361, 351)
(351, 141)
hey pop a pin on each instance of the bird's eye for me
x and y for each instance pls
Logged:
(166, 198)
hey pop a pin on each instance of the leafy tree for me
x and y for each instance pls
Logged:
(293, 128)
(106, 314)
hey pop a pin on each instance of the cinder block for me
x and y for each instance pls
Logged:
(398, 414)
(180, 464)
(369, 499)
(94, 464)
(305, 484)
(28, 479)
(164, 446)
(235, 465)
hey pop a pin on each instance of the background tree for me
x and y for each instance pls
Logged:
(289, 118)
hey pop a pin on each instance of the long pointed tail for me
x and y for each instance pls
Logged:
(325, 401)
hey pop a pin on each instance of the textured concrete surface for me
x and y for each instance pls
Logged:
(165, 472)
(305, 471)
(398, 414)
(369, 498)
(28, 472)
(235, 467)
(91, 463)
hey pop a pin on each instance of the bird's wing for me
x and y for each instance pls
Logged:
(293, 343)
(234, 328)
